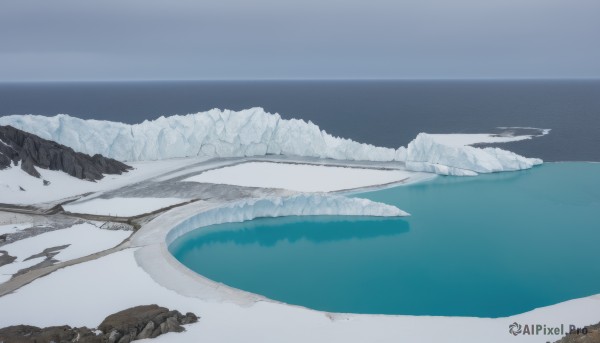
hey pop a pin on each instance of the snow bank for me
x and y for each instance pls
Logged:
(461, 139)
(301, 204)
(300, 177)
(427, 154)
(254, 132)
(82, 240)
(18, 187)
(12, 228)
(121, 207)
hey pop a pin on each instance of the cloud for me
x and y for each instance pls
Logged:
(150, 39)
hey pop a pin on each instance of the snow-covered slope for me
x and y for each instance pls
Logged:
(254, 132)
(18, 187)
(301, 204)
(31, 151)
(80, 240)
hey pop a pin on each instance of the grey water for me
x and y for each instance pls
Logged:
(489, 246)
(383, 113)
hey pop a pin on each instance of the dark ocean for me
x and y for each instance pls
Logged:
(383, 113)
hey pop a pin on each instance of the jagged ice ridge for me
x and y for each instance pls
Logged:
(301, 204)
(424, 153)
(253, 132)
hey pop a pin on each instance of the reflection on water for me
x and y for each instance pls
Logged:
(488, 246)
(316, 229)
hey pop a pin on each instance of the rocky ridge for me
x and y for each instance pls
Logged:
(141, 322)
(588, 334)
(31, 151)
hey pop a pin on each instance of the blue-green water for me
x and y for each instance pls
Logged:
(488, 246)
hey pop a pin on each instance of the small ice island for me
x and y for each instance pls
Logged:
(88, 208)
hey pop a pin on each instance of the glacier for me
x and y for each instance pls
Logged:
(426, 154)
(304, 204)
(254, 132)
(215, 133)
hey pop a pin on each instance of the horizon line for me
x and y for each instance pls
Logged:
(308, 79)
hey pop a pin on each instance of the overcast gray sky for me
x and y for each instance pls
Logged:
(266, 39)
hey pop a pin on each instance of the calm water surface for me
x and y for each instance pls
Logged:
(489, 246)
(384, 113)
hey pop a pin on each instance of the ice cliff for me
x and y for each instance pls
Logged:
(424, 153)
(253, 132)
(296, 205)
(217, 133)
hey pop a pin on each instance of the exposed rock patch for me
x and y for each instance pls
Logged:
(591, 334)
(135, 323)
(116, 226)
(45, 263)
(59, 223)
(48, 252)
(49, 260)
(146, 321)
(32, 151)
(5, 258)
(57, 334)
(33, 231)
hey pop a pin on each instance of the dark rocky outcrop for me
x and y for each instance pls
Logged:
(5, 258)
(31, 151)
(139, 322)
(48, 253)
(49, 260)
(589, 334)
(146, 321)
(58, 334)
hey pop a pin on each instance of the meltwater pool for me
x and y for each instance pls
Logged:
(486, 246)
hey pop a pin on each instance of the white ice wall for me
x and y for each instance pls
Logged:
(424, 153)
(214, 133)
(254, 132)
(301, 204)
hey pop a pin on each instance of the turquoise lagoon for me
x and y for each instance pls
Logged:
(487, 246)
